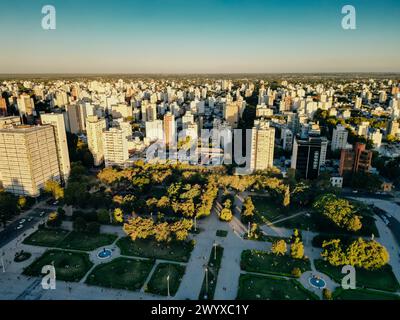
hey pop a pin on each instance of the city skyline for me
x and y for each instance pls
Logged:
(178, 37)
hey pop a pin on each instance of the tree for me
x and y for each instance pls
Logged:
(339, 211)
(225, 215)
(247, 210)
(139, 228)
(297, 249)
(79, 224)
(181, 229)
(93, 227)
(327, 294)
(53, 187)
(286, 197)
(296, 272)
(118, 215)
(22, 202)
(279, 248)
(162, 232)
(369, 255)
(103, 216)
(8, 206)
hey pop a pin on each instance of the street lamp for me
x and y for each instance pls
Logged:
(215, 250)
(168, 285)
(206, 283)
(195, 223)
(2, 262)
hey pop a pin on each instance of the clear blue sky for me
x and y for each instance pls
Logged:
(175, 36)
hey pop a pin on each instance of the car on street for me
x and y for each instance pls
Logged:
(19, 227)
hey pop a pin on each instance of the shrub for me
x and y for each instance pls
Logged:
(296, 272)
(327, 294)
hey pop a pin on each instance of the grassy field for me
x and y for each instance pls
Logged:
(46, 237)
(264, 262)
(256, 287)
(87, 242)
(69, 266)
(363, 294)
(382, 279)
(149, 248)
(158, 283)
(121, 273)
(214, 263)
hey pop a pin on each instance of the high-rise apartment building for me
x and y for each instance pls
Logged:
(115, 142)
(356, 160)
(94, 130)
(339, 138)
(154, 130)
(309, 154)
(56, 120)
(25, 105)
(262, 146)
(232, 113)
(169, 129)
(28, 158)
(3, 107)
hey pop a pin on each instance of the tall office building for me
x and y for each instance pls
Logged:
(115, 142)
(28, 158)
(94, 130)
(262, 146)
(339, 138)
(357, 160)
(56, 120)
(309, 154)
(169, 129)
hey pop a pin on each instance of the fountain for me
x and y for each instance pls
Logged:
(317, 282)
(104, 254)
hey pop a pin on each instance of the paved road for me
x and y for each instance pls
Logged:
(29, 218)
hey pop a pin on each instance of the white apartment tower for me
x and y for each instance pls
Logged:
(262, 146)
(115, 141)
(94, 130)
(56, 120)
(339, 138)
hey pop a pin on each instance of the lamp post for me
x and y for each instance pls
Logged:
(215, 250)
(2, 262)
(168, 285)
(206, 282)
(195, 223)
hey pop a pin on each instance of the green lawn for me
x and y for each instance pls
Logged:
(363, 294)
(382, 279)
(214, 263)
(87, 242)
(256, 287)
(266, 208)
(69, 266)
(121, 273)
(264, 262)
(158, 283)
(46, 237)
(149, 248)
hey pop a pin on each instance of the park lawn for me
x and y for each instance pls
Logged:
(121, 273)
(302, 222)
(150, 248)
(87, 242)
(158, 283)
(268, 263)
(270, 211)
(46, 237)
(214, 264)
(382, 279)
(363, 294)
(69, 266)
(257, 287)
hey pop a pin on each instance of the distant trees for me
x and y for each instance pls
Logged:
(369, 255)
(339, 211)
